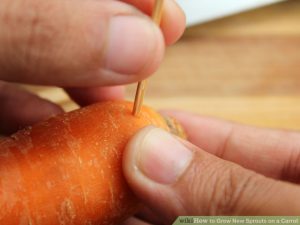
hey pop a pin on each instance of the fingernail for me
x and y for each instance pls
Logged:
(131, 44)
(162, 157)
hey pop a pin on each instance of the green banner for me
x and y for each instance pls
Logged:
(228, 220)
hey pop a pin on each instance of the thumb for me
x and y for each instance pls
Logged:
(175, 178)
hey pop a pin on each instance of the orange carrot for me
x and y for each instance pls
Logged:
(67, 170)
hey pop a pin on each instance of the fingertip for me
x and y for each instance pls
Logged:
(87, 96)
(46, 108)
(155, 156)
(33, 109)
(135, 46)
(173, 19)
(173, 22)
(131, 153)
(153, 161)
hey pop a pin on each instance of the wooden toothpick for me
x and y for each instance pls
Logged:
(140, 91)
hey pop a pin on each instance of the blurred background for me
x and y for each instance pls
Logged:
(244, 67)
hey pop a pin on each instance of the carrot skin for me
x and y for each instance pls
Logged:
(67, 170)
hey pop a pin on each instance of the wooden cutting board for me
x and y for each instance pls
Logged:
(244, 68)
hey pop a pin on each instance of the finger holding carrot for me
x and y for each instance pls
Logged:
(225, 169)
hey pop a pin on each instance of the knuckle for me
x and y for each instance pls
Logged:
(228, 187)
(194, 183)
(291, 169)
(222, 191)
(30, 28)
(205, 183)
(41, 33)
(48, 37)
(216, 187)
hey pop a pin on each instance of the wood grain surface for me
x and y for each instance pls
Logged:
(244, 68)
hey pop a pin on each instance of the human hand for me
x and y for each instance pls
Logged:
(81, 45)
(230, 170)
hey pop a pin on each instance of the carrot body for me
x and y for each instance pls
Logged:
(67, 170)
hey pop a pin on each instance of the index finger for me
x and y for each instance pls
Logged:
(273, 153)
